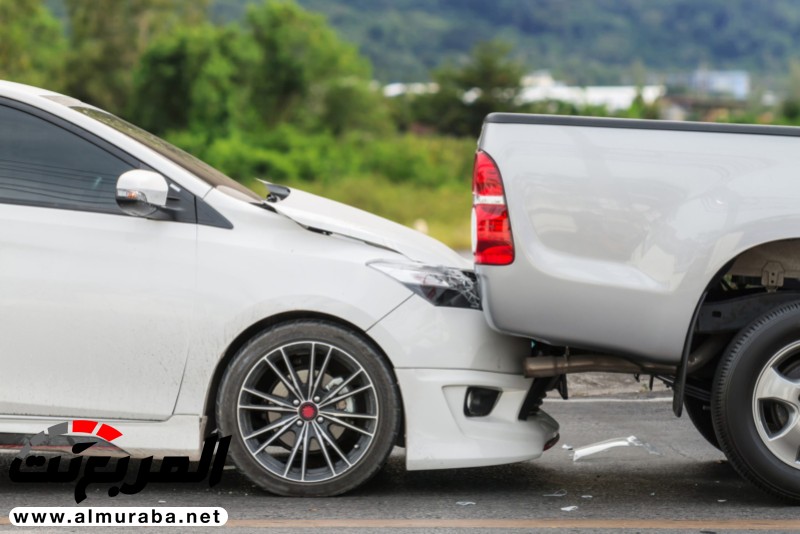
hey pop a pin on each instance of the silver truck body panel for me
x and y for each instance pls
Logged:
(619, 230)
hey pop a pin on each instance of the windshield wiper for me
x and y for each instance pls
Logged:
(275, 192)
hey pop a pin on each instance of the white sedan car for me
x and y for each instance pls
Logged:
(145, 289)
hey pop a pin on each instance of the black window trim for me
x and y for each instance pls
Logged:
(216, 220)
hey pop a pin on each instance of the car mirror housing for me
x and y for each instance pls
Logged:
(141, 193)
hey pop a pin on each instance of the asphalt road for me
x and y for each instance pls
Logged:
(688, 487)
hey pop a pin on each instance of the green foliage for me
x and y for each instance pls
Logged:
(304, 74)
(286, 154)
(189, 79)
(31, 44)
(790, 108)
(640, 110)
(107, 37)
(489, 81)
(285, 66)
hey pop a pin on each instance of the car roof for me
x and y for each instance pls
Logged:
(29, 93)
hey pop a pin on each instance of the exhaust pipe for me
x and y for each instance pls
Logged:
(548, 366)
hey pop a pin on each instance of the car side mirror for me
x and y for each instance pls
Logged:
(141, 193)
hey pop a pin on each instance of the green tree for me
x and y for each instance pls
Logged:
(490, 81)
(790, 108)
(304, 74)
(107, 37)
(31, 44)
(189, 79)
(641, 110)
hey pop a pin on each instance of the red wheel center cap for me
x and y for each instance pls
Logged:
(308, 411)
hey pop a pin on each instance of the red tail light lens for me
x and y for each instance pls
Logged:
(491, 235)
(486, 180)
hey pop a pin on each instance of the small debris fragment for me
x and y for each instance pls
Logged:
(229, 468)
(161, 502)
(586, 496)
(465, 503)
(594, 448)
(722, 500)
(559, 493)
(570, 508)
(653, 494)
(566, 447)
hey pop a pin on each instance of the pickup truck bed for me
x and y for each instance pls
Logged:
(620, 225)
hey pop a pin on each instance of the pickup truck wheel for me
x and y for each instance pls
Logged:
(313, 409)
(700, 414)
(756, 402)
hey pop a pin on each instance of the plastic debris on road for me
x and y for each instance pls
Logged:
(559, 493)
(601, 446)
(465, 503)
(566, 447)
(570, 508)
(586, 496)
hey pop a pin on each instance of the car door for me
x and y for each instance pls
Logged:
(95, 305)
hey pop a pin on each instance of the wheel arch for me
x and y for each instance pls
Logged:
(752, 261)
(773, 262)
(253, 330)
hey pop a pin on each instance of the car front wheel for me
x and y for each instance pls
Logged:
(313, 408)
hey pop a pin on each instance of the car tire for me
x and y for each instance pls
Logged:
(700, 414)
(755, 402)
(295, 436)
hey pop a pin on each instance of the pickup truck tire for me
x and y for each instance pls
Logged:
(700, 414)
(755, 402)
(313, 409)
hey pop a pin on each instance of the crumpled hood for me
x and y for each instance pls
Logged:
(320, 213)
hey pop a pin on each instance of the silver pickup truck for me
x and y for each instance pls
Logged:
(658, 248)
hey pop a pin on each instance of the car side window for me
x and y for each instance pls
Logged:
(42, 164)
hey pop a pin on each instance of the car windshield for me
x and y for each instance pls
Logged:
(197, 167)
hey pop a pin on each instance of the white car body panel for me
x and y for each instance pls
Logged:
(92, 303)
(270, 266)
(636, 218)
(324, 214)
(191, 290)
(447, 338)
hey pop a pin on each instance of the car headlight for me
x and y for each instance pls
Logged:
(441, 286)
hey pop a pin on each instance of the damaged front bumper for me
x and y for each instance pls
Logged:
(441, 355)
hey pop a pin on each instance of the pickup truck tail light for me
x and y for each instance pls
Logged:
(491, 230)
